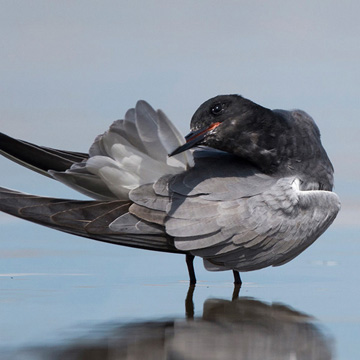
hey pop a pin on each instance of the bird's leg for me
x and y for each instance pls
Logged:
(190, 266)
(189, 303)
(237, 285)
(236, 292)
(237, 278)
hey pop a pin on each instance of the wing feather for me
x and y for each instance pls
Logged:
(91, 219)
(38, 158)
(133, 152)
(264, 222)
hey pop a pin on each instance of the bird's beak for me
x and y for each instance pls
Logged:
(194, 138)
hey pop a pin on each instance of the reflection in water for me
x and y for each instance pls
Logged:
(243, 328)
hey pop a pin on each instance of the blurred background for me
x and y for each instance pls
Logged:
(69, 69)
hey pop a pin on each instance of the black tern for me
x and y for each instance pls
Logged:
(250, 188)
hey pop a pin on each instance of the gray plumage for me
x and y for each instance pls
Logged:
(260, 197)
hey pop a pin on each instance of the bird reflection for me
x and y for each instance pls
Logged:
(243, 328)
(189, 304)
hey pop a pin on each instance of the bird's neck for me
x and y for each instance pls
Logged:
(315, 170)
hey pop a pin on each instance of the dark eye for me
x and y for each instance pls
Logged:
(217, 109)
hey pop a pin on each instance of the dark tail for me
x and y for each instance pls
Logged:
(38, 158)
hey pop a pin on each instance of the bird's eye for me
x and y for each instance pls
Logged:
(217, 109)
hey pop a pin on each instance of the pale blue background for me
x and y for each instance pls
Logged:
(68, 69)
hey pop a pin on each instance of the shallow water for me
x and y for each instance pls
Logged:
(240, 328)
(64, 295)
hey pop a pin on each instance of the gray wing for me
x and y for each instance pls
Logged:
(91, 219)
(134, 151)
(243, 220)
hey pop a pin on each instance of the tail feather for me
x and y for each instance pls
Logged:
(38, 158)
(90, 219)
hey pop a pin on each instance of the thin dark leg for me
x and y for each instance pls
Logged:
(236, 292)
(237, 278)
(190, 266)
(189, 303)
(237, 285)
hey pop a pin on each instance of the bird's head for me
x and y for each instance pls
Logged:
(236, 125)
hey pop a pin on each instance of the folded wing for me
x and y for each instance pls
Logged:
(91, 219)
(225, 211)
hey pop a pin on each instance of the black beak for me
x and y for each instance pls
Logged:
(194, 138)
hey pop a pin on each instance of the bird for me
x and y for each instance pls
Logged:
(247, 188)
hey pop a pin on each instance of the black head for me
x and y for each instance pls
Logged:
(219, 109)
(234, 124)
(281, 142)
